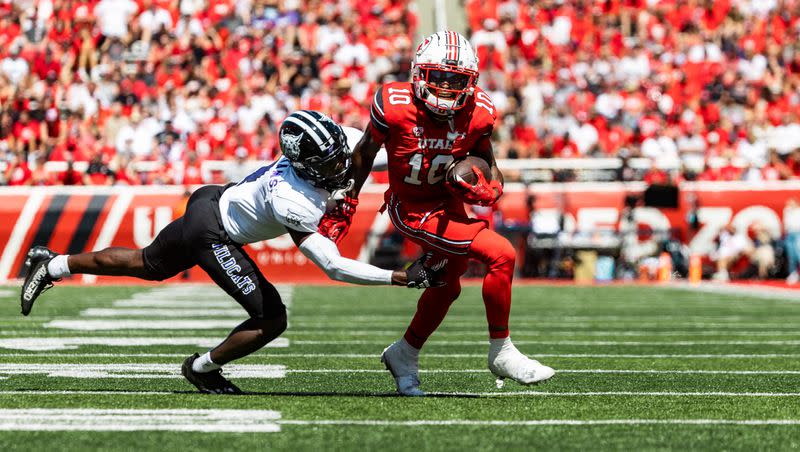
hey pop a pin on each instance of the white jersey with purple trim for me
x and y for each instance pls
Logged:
(268, 202)
(273, 199)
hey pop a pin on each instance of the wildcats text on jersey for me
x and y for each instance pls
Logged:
(232, 269)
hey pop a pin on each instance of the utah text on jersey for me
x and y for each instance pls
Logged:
(419, 146)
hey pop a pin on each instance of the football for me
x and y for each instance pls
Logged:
(462, 169)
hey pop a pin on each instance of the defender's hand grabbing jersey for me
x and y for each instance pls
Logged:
(420, 149)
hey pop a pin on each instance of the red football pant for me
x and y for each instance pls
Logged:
(497, 253)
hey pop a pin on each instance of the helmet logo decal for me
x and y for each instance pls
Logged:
(291, 145)
(423, 45)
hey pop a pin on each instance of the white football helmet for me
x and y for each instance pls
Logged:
(444, 72)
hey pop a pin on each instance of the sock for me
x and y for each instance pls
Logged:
(498, 254)
(57, 267)
(408, 348)
(204, 364)
(433, 305)
(497, 345)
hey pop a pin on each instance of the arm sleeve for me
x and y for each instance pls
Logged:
(377, 116)
(323, 252)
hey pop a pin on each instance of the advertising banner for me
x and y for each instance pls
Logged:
(77, 219)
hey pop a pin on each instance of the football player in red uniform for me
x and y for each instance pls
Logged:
(426, 124)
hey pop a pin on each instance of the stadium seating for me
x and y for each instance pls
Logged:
(149, 91)
(175, 91)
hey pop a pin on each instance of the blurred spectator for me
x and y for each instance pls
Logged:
(791, 222)
(763, 253)
(239, 169)
(98, 172)
(18, 172)
(14, 66)
(40, 175)
(70, 176)
(732, 245)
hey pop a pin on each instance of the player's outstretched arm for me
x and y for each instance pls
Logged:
(323, 253)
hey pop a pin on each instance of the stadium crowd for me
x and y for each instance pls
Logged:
(706, 90)
(681, 82)
(118, 84)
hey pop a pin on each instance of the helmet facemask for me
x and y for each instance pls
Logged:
(330, 172)
(444, 89)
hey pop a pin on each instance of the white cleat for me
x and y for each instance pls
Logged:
(402, 361)
(505, 361)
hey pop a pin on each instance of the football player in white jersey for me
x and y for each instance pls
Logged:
(288, 196)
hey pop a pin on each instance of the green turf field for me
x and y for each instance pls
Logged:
(636, 368)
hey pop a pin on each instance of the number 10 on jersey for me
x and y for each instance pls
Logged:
(436, 170)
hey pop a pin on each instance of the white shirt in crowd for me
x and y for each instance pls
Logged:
(584, 136)
(754, 68)
(662, 148)
(15, 69)
(791, 219)
(489, 37)
(755, 153)
(191, 7)
(691, 143)
(633, 67)
(784, 138)
(114, 15)
(559, 32)
(153, 20)
(352, 54)
(609, 104)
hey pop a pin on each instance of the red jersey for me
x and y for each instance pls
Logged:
(420, 147)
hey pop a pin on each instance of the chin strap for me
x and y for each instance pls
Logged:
(341, 193)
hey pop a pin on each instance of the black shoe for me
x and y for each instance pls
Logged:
(208, 382)
(37, 279)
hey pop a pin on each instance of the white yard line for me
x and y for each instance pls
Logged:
(163, 312)
(563, 371)
(543, 422)
(160, 370)
(72, 343)
(309, 322)
(768, 292)
(194, 420)
(517, 333)
(465, 394)
(113, 324)
(424, 355)
(135, 370)
(581, 343)
(164, 303)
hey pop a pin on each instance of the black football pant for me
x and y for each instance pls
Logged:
(198, 238)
